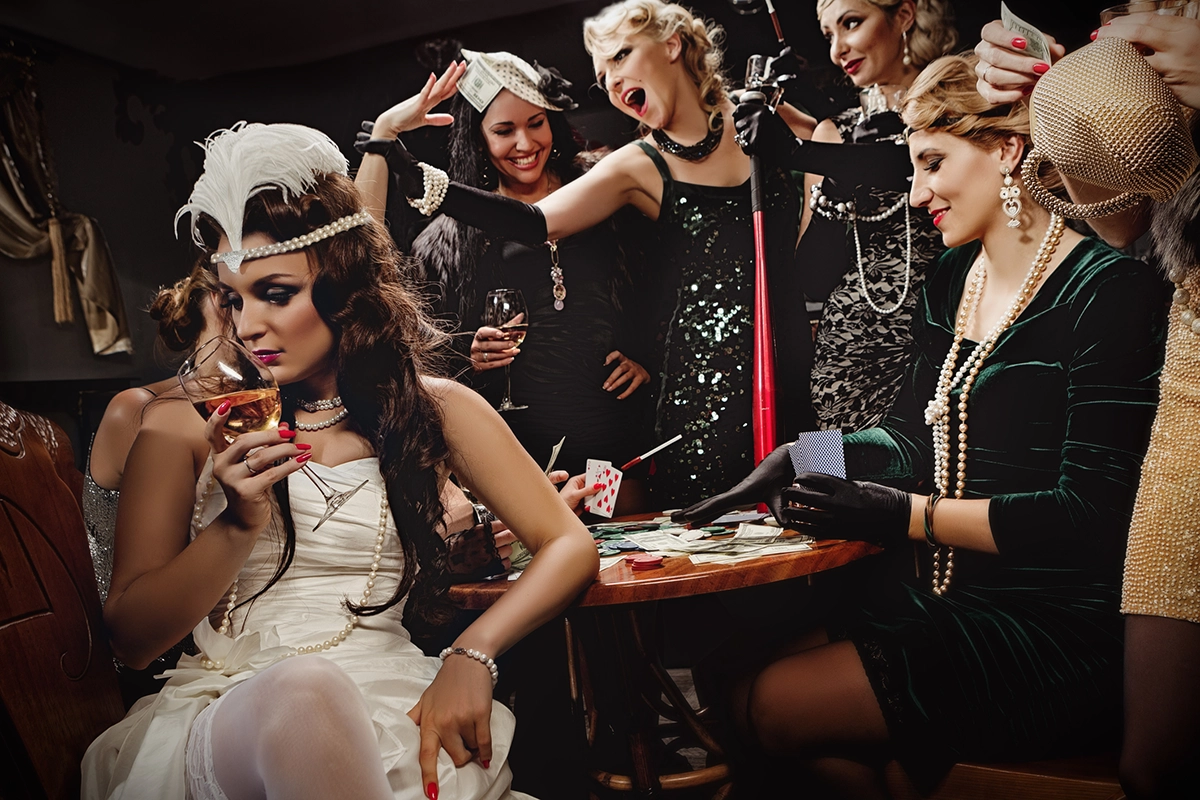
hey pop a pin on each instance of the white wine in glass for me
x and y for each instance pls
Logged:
(223, 369)
(505, 309)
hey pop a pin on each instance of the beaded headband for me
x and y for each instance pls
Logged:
(248, 158)
(234, 258)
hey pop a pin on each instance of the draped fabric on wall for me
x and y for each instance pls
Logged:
(34, 225)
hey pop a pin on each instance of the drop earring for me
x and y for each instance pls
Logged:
(485, 170)
(907, 54)
(1010, 199)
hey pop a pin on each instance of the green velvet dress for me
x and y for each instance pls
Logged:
(1021, 658)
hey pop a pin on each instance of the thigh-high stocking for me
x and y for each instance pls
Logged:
(1161, 747)
(299, 730)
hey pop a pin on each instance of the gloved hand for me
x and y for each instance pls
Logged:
(761, 132)
(836, 508)
(786, 67)
(409, 177)
(763, 485)
(878, 126)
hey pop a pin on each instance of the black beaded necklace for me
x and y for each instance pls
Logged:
(691, 152)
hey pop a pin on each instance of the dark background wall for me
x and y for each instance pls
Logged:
(122, 136)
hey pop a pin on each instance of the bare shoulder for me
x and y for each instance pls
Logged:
(174, 420)
(457, 402)
(125, 408)
(827, 131)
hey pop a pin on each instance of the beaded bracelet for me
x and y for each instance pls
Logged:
(475, 654)
(931, 504)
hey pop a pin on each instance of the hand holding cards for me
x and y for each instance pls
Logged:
(602, 472)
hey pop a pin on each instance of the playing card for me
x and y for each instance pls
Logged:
(591, 475)
(819, 451)
(603, 501)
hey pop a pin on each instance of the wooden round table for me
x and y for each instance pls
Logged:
(612, 624)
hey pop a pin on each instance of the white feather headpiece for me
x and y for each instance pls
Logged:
(241, 161)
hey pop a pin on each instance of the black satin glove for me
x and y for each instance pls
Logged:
(836, 508)
(786, 68)
(761, 132)
(409, 177)
(763, 485)
(877, 127)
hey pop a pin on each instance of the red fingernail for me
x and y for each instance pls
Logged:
(1018, 43)
(285, 433)
(431, 791)
(304, 445)
(1095, 33)
(597, 486)
(300, 459)
(1027, 90)
(223, 409)
(1041, 68)
(485, 764)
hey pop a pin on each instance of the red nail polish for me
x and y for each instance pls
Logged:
(1041, 68)
(1018, 43)
(597, 486)
(300, 459)
(485, 764)
(223, 409)
(285, 433)
(431, 791)
(1095, 33)
(304, 445)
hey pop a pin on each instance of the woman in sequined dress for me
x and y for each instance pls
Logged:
(1161, 590)
(186, 314)
(661, 65)
(863, 340)
(581, 378)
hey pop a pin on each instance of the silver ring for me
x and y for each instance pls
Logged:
(252, 470)
(986, 70)
(486, 356)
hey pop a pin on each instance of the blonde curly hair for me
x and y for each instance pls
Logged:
(700, 39)
(933, 33)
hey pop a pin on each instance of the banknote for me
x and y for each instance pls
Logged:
(479, 85)
(1035, 41)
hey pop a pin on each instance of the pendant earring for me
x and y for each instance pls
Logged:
(907, 54)
(1010, 199)
(485, 170)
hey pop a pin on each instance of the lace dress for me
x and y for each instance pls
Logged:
(146, 755)
(861, 355)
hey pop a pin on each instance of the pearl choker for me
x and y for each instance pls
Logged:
(937, 413)
(847, 212)
(320, 405)
(351, 619)
(329, 423)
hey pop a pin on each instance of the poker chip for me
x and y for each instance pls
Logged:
(713, 529)
(607, 551)
(645, 562)
(625, 545)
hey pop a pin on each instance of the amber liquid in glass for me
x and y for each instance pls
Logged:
(516, 333)
(250, 410)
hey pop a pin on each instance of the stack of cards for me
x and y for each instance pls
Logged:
(819, 451)
(603, 472)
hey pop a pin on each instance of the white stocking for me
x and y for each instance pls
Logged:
(299, 730)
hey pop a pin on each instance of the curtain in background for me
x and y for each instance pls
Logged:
(34, 225)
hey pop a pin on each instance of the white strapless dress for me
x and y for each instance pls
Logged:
(142, 757)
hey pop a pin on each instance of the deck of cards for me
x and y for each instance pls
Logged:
(602, 472)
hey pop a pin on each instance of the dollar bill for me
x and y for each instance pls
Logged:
(1035, 41)
(479, 85)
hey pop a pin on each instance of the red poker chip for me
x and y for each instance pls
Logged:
(646, 562)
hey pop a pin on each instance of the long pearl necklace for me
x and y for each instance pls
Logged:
(351, 619)
(937, 413)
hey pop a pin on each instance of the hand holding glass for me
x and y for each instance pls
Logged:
(505, 309)
(223, 370)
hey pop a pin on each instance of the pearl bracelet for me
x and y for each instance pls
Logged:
(475, 654)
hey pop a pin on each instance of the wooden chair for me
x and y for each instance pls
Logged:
(58, 687)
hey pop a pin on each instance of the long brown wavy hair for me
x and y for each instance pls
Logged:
(386, 342)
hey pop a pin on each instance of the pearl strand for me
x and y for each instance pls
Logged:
(232, 257)
(329, 423)
(435, 183)
(937, 412)
(320, 405)
(351, 619)
(847, 211)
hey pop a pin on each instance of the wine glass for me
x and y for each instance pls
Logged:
(505, 309)
(222, 369)
(1170, 8)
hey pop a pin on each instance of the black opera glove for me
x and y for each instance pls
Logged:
(761, 132)
(786, 67)
(763, 485)
(835, 508)
(409, 177)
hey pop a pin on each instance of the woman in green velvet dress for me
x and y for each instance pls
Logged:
(1010, 462)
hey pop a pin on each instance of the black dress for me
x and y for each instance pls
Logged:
(707, 367)
(1021, 658)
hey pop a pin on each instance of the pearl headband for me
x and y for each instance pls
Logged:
(234, 258)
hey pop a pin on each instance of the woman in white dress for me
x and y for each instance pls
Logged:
(307, 684)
